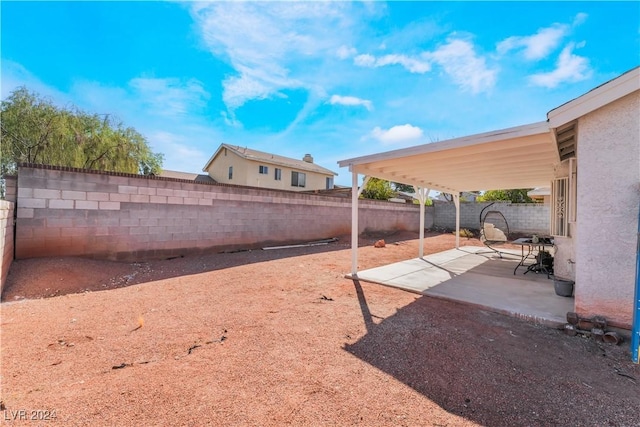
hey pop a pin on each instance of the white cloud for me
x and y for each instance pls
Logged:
(570, 68)
(269, 43)
(579, 19)
(397, 134)
(460, 61)
(179, 152)
(152, 106)
(541, 44)
(170, 96)
(15, 75)
(351, 101)
(365, 60)
(164, 97)
(457, 57)
(413, 65)
(537, 46)
(345, 52)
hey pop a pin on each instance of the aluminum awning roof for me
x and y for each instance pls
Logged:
(518, 157)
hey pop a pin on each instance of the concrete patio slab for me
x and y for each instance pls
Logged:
(474, 276)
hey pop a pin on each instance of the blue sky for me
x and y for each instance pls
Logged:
(333, 79)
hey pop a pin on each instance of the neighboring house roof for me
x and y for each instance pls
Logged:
(186, 175)
(273, 159)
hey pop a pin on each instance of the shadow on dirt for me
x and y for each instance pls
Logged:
(496, 370)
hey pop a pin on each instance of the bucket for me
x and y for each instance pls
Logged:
(612, 338)
(563, 287)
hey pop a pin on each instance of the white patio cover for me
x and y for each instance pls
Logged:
(518, 157)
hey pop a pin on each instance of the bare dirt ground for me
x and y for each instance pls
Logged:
(279, 337)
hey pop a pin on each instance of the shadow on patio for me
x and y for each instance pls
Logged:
(474, 276)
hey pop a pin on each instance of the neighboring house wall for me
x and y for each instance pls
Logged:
(607, 208)
(6, 240)
(522, 218)
(247, 172)
(117, 216)
(219, 168)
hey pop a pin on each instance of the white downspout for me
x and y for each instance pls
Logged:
(456, 201)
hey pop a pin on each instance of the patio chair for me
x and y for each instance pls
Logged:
(494, 229)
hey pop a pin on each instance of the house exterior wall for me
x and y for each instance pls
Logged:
(247, 172)
(608, 198)
(65, 212)
(6, 240)
(219, 168)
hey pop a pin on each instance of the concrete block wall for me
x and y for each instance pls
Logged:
(6, 240)
(62, 211)
(522, 218)
(10, 191)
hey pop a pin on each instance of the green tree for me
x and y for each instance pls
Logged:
(405, 188)
(378, 189)
(513, 196)
(34, 130)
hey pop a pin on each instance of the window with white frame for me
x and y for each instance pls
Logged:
(264, 170)
(278, 174)
(298, 179)
(230, 172)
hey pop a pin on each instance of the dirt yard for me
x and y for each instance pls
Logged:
(280, 337)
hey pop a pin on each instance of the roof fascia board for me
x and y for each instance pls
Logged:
(466, 141)
(596, 98)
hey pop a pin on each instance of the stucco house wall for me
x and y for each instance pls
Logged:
(608, 197)
(247, 172)
(219, 168)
